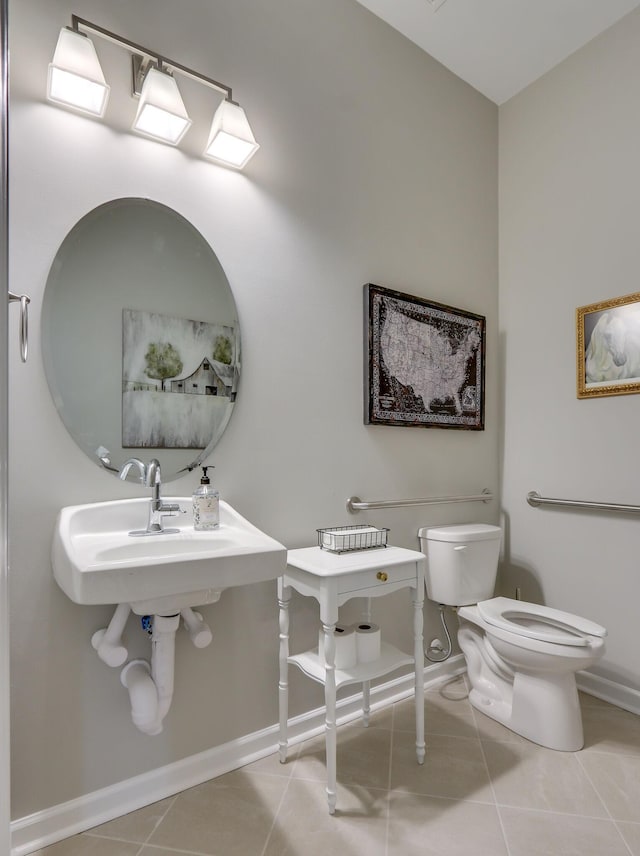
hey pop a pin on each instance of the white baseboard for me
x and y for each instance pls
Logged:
(42, 828)
(60, 821)
(618, 694)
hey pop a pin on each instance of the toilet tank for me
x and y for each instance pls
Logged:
(462, 562)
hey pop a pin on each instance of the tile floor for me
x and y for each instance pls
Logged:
(483, 791)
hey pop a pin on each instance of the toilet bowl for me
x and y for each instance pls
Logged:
(533, 689)
(521, 657)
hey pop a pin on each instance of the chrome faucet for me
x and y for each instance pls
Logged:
(151, 476)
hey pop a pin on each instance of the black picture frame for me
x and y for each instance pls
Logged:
(424, 362)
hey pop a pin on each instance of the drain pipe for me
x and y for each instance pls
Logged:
(108, 641)
(151, 687)
(136, 677)
(198, 631)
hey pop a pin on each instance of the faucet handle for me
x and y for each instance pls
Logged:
(171, 509)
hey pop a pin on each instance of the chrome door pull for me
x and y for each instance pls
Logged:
(24, 322)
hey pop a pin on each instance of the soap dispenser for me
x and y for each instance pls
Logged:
(206, 504)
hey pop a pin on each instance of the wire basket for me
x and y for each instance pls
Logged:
(345, 539)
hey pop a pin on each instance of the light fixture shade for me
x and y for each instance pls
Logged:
(75, 76)
(231, 140)
(161, 112)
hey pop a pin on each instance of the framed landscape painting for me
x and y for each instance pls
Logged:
(178, 378)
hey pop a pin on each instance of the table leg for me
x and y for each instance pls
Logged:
(330, 708)
(284, 597)
(366, 704)
(418, 642)
(366, 685)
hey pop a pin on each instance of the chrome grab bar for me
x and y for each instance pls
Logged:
(24, 322)
(534, 499)
(354, 503)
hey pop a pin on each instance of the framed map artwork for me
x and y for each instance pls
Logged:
(424, 362)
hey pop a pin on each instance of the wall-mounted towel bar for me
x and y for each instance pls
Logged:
(534, 499)
(354, 503)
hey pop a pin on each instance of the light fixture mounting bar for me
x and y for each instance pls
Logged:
(77, 23)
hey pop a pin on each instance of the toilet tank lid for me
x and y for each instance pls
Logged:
(461, 532)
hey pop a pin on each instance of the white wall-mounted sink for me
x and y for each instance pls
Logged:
(96, 561)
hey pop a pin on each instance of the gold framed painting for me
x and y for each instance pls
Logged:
(608, 347)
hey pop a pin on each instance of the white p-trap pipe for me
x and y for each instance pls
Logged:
(151, 687)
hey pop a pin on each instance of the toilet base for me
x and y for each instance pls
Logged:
(543, 708)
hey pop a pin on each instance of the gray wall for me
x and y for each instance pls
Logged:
(569, 189)
(377, 165)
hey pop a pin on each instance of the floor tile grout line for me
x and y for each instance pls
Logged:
(493, 791)
(602, 800)
(288, 780)
(615, 754)
(491, 785)
(559, 813)
(322, 781)
(592, 783)
(391, 734)
(169, 807)
(407, 793)
(172, 851)
(91, 833)
(624, 840)
(142, 845)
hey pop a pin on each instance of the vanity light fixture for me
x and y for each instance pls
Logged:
(75, 75)
(76, 80)
(231, 139)
(161, 111)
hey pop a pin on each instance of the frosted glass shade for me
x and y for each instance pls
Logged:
(161, 112)
(231, 140)
(75, 76)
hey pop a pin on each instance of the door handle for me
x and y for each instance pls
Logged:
(24, 322)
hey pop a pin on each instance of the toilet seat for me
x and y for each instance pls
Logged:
(550, 625)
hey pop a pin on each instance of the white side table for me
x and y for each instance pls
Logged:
(332, 579)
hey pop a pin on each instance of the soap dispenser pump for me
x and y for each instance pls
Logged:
(206, 504)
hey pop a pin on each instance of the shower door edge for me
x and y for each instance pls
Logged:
(5, 776)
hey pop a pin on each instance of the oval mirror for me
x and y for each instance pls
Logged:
(140, 338)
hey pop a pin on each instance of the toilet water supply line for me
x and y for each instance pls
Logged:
(435, 653)
(150, 686)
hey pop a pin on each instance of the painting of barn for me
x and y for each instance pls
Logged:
(179, 377)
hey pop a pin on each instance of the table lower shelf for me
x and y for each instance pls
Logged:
(312, 664)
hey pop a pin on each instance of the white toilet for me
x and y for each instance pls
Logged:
(521, 657)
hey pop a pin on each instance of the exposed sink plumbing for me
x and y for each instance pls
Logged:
(151, 476)
(150, 683)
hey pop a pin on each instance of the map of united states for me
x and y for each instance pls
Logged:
(420, 356)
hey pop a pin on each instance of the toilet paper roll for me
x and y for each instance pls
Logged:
(367, 642)
(345, 646)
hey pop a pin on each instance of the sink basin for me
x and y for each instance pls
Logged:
(96, 561)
